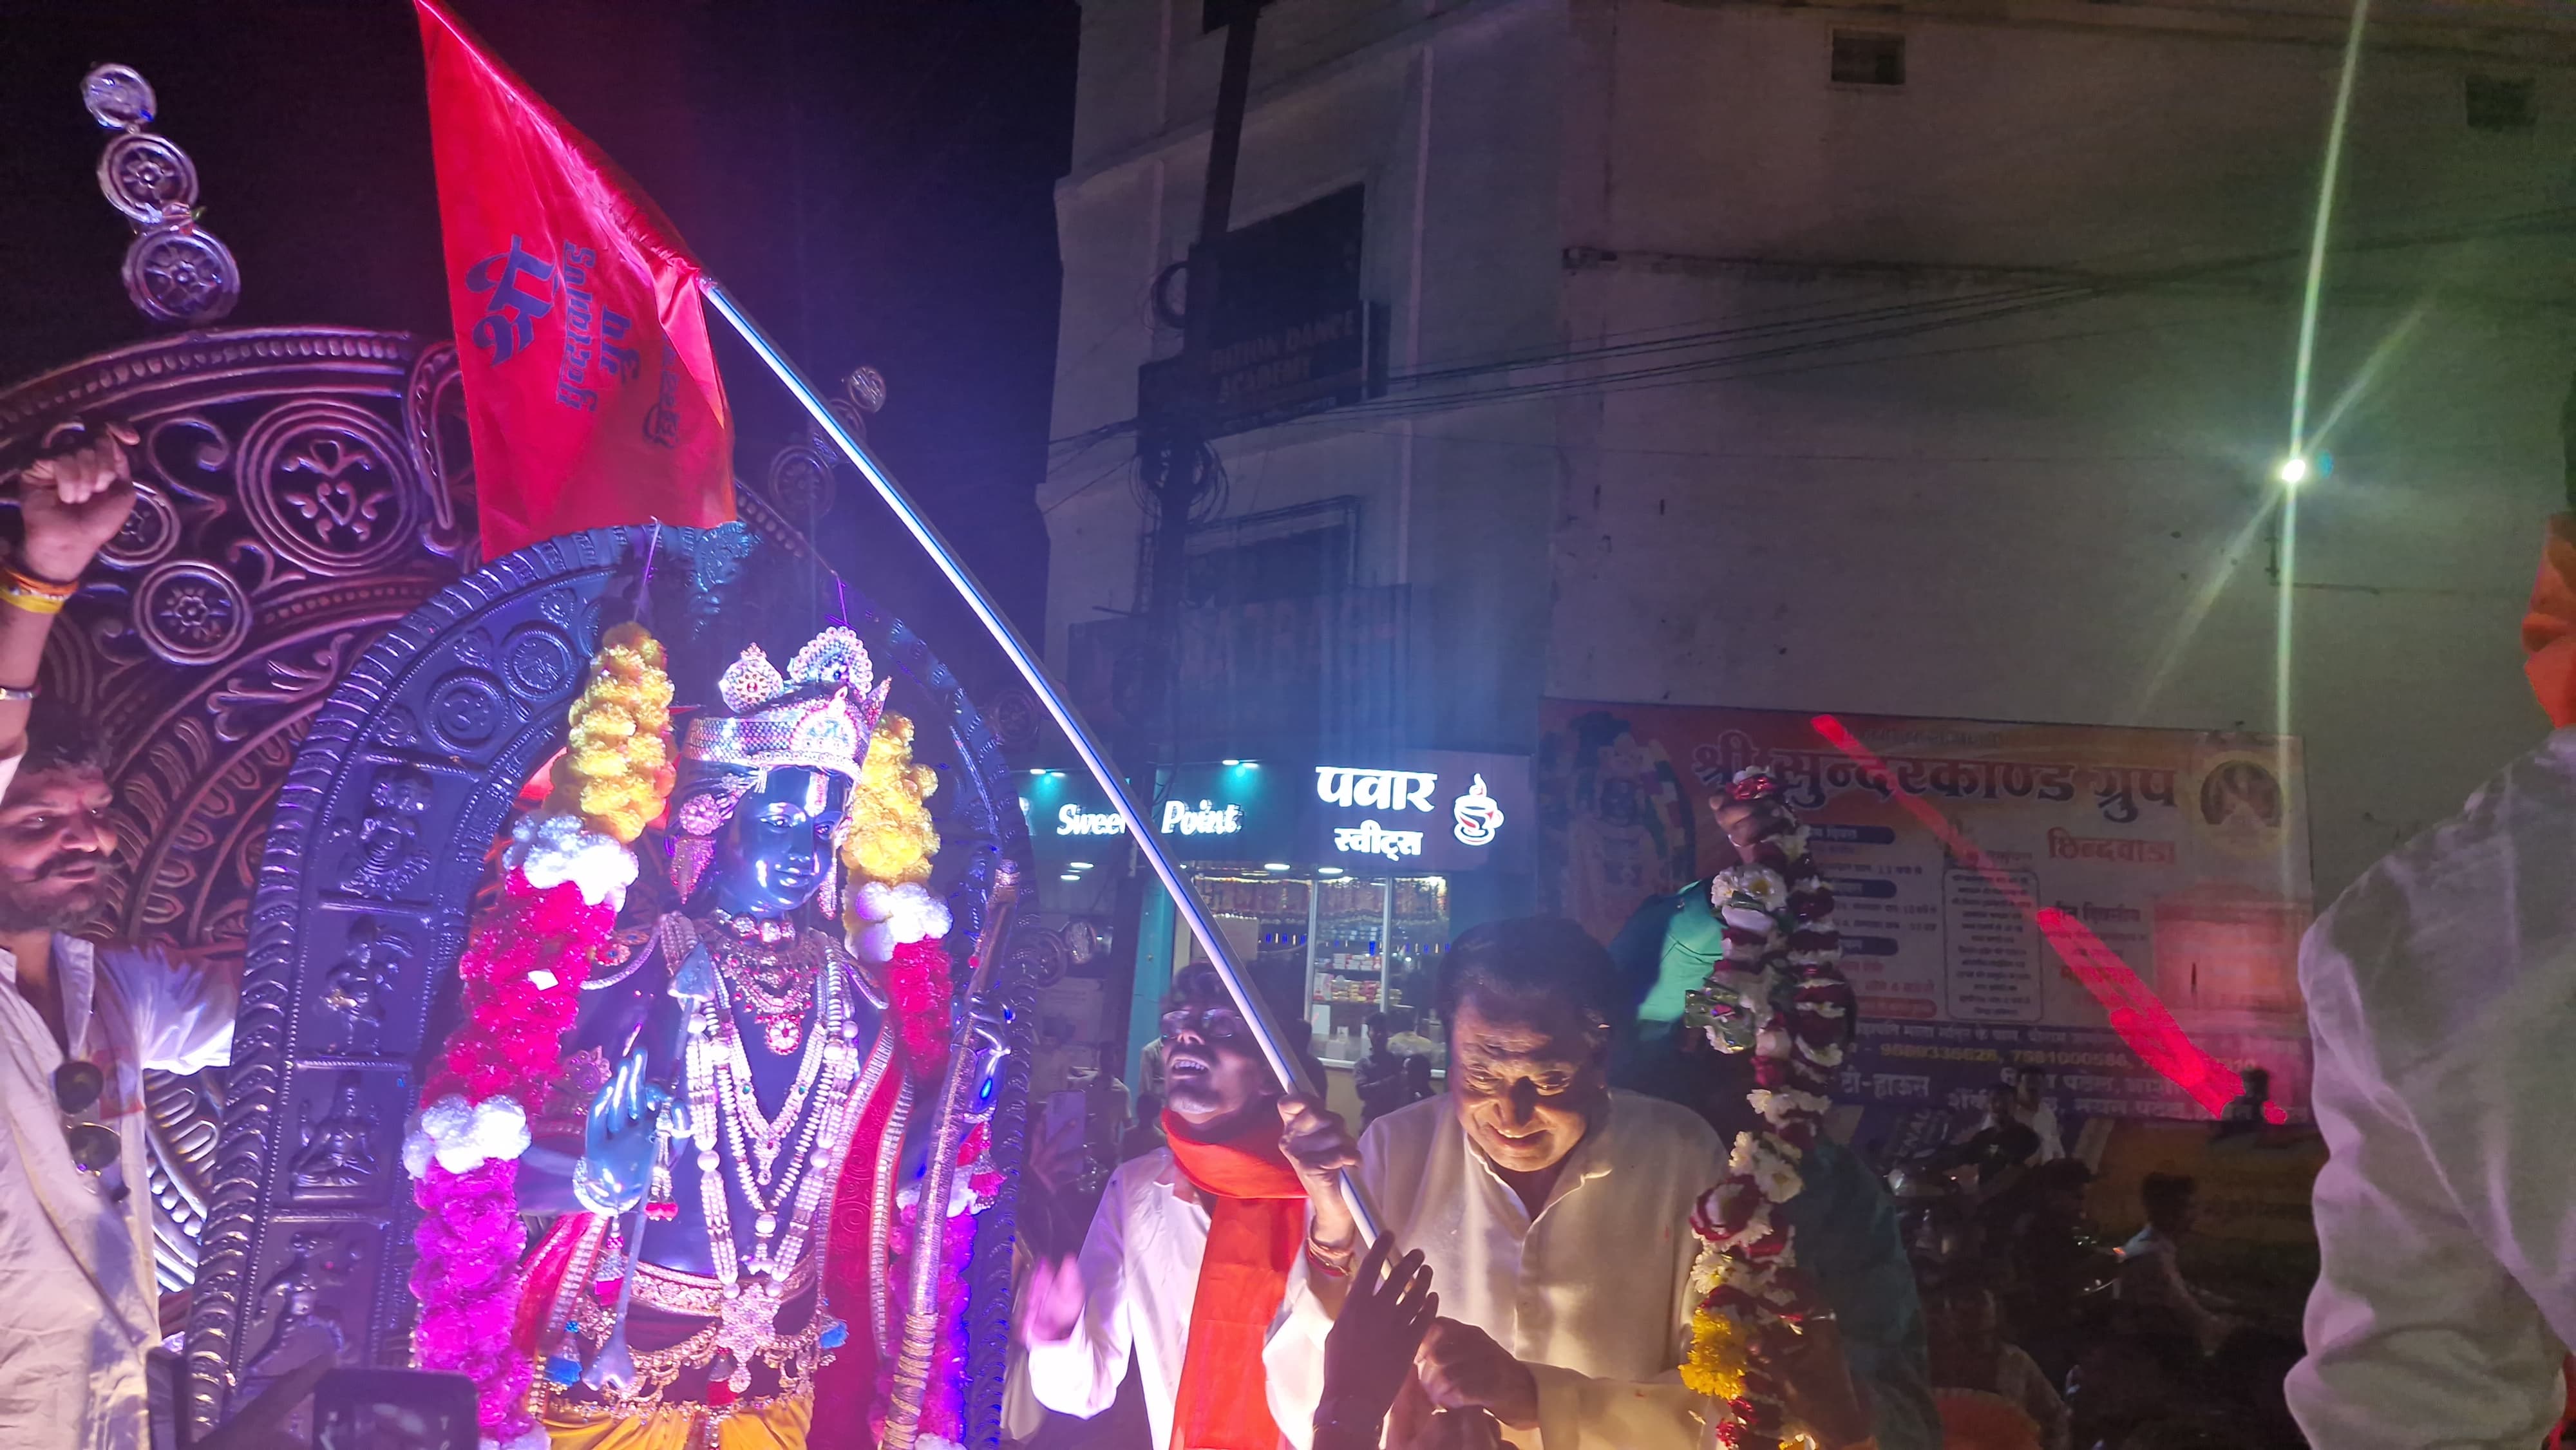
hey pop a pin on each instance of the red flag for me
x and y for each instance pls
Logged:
(590, 389)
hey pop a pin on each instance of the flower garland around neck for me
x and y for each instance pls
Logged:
(568, 866)
(1778, 992)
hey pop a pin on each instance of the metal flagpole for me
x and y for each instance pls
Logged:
(1264, 1031)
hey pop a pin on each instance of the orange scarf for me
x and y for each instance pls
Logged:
(1256, 1224)
(2549, 630)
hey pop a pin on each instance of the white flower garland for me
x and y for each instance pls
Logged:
(464, 1136)
(895, 916)
(1775, 992)
(553, 849)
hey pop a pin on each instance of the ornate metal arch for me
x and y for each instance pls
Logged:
(377, 844)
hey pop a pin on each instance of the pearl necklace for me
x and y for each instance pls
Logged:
(725, 1113)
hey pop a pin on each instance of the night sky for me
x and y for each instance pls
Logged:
(874, 178)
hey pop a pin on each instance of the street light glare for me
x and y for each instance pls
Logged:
(2293, 471)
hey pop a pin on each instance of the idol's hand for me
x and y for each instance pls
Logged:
(74, 502)
(617, 1146)
(1368, 1357)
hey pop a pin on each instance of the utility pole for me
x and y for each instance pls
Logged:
(1171, 431)
(1171, 454)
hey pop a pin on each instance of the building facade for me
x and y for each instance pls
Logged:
(1932, 359)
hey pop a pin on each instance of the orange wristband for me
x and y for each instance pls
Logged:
(34, 595)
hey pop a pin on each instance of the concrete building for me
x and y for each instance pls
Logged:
(1918, 359)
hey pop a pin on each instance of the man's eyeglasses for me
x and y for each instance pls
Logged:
(77, 1088)
(1216, 1024)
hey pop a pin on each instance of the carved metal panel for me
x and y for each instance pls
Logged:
(300, 490)
(377, 845)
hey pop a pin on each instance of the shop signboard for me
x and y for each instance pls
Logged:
(2184, 853)
(1370, 813)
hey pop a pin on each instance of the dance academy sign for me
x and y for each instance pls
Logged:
(2185, 853)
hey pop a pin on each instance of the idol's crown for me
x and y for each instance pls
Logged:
(819, 714)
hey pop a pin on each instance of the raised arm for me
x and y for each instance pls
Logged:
(1073, 1314)
(72, 503)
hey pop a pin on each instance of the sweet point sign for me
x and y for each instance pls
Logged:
(1392, 812)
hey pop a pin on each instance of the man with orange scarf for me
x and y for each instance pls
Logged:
(2439, 989)
(1193, 1248)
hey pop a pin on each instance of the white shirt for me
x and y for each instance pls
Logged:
(77, 1300)
(2442, 999)
(1593, 1293)
(1140, 1275)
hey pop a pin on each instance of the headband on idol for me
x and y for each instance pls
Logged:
(818, 716)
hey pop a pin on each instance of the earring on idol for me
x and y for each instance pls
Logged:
(829, 898)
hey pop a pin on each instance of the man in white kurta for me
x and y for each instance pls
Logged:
(76, 1287)
(2441, 991)
(1140, 1272)
(1554, 1212)
(77, 1297)
(1592, 1293)
(1135, 1283)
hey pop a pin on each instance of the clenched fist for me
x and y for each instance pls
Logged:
(74, 502)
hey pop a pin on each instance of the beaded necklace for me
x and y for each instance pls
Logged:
(783, 1165)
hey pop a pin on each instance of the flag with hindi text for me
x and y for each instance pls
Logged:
(590, 389)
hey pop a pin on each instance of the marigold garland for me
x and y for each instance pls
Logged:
(889, 837)
(1779, 993)
(522, 973)
(1718, 1355)
(617, 768)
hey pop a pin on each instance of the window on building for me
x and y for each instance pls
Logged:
(1290, 553)
(1863, 58)
(2499, 103)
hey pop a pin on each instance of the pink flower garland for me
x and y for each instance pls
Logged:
(917, 990)
(467, 1279)
(518, 1017)
(523, 973)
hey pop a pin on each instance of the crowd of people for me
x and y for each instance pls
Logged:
(1541, 1205)
(1544, 1201)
